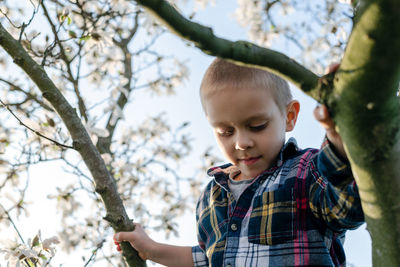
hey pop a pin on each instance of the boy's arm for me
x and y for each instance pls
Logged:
(147, 248)
(334, 196)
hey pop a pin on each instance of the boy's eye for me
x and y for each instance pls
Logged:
(224, 132)
(257, 128)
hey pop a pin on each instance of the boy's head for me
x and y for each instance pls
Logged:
(222, 73)
(250, 110)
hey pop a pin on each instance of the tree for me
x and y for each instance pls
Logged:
(354, 95)
(362, 97)
(84, 68)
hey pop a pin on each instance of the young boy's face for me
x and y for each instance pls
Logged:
(249, 127)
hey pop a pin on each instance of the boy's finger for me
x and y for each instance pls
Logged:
(332, 68)
(122, 236)
(322, 115)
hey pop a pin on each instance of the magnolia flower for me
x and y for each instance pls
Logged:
(36, 251)
(203, 4)
(94, 131)
(121, 6)
(46, 244)
(66, 10)
(99, 39)
(107, 158)
(11, 256)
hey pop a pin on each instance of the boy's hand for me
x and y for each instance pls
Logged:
(138, 240)
(322, 115)
(168, 255)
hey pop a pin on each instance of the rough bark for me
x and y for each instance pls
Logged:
(105, 183)
(368, 118)
(361, 96)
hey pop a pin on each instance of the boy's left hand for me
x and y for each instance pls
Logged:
(322, 116)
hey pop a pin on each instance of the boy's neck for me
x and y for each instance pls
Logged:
(241, 177)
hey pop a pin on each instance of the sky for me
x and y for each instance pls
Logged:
(185, 106)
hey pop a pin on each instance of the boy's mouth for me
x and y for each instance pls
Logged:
(250, 160)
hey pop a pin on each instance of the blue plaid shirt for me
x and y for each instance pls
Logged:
(293, 214)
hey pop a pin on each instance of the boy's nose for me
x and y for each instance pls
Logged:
(243, 142)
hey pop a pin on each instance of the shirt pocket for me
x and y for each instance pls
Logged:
(272, 218)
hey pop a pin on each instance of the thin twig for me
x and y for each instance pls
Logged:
(25, 25)
(29, 96)
(13, 224)
(32, 130)
(100, 245)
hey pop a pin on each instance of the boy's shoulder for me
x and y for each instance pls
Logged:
(291, 153)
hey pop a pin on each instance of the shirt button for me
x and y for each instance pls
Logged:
(234, 228)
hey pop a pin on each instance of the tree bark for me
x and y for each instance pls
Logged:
(105, 183)
(368, 118)
(361, 97)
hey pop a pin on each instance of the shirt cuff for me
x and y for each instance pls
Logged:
(199, 257)
(333, 166)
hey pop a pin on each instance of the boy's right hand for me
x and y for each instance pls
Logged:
(138, 240)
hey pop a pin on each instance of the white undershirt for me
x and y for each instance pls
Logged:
(237, 187)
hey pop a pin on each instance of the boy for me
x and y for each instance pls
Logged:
(273, 204)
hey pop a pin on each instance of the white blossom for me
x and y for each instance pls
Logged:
(46, 244)
(107, 158)
(99, 39)
(95, 131)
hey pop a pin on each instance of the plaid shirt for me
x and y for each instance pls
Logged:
(293, 214)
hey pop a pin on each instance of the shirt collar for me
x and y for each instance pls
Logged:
(223, 172)
(288, 149)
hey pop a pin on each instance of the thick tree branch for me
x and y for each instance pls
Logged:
(241, 52)
(368, 117)
(105, 184)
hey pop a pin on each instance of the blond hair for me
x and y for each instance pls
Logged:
(222, 72)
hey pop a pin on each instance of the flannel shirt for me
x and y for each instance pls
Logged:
(293, 214)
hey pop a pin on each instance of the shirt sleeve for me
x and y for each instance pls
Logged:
(334, 195)
(199, 257)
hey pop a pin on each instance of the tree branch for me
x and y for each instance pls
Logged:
(105, 184)
(32, 130)
(104, 143)
(81, 103)
(240, 52)
(29, 96)
(365, 89)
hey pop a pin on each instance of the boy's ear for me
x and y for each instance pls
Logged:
(292, 111)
